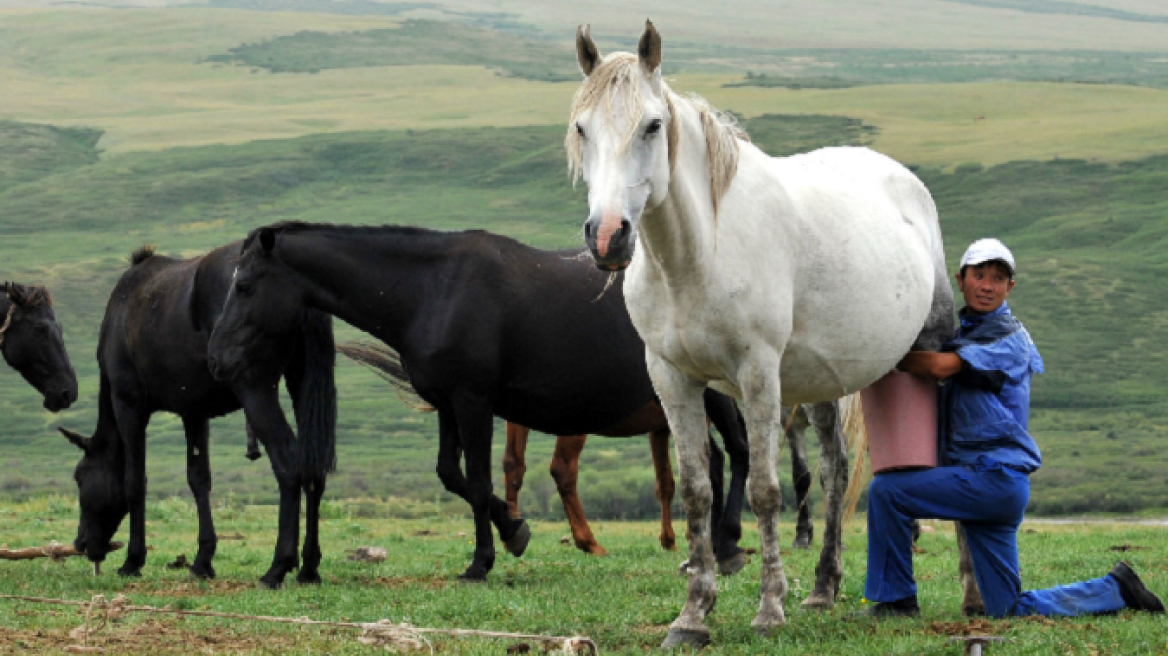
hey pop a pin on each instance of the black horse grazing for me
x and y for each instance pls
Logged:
(484, 326)
(153, 357)
(32, 344)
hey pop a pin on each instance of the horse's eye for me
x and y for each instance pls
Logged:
(580, 130)
(654, 127)
(243, 288)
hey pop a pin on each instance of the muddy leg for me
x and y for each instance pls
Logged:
(833, 462)
(514, 465)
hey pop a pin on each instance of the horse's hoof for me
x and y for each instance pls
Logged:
(974, 611)
(469, 578)
(686, 638)
(732, 565)
(254, 455)
(802, 544)
(669, 544)
(817, 603)
(518, 542)
(595, 550)
(269, 584)
(308, 578)
(130, 572)
(200, 573)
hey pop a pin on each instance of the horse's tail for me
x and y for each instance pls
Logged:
(385, 362)
(316, 420)
(852, 423)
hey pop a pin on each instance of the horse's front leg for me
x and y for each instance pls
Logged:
(681, 398)
(833, 462)
(311, 555)
(199, 480)
(728, 529)
(762, 407)
(262, 406)
(800, 476)
(132, 421)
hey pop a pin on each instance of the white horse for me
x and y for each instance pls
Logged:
(797, 280)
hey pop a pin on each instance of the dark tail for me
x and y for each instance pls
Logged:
(316, 422)
(385, 362)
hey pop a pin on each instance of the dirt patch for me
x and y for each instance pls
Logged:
(151, 637)
(400, 582)
(968, 628)
(189, 588)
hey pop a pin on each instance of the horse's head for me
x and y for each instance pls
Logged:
(101, 492)
(263, 308)
(31, 341)
(617, 141)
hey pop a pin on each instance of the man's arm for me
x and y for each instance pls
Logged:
(927, 364)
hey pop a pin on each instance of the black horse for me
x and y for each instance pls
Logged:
(484, 326)
(153, 357)
(32, 344)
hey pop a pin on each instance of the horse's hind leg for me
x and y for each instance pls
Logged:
(565, 469)
(663, 471)
(971, 602)
(310, 555)
(833, 461)
(199, 480)
(514, 465)
(800, 476)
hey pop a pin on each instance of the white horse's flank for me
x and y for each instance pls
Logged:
(799, 279)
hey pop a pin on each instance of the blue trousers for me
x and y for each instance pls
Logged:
(989, 501)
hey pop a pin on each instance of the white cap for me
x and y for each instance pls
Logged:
(986, 250)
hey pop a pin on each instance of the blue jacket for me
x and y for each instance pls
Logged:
(985, 409)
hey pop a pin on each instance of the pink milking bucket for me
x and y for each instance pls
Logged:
(900, 417)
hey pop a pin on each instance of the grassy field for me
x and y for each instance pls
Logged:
(624, 601)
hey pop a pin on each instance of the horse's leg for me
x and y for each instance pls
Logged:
(801, 477)
(565, 470)
(199, 480)
(474, 419)
(833, 463)
(728, 529)
(262, 407)
(132, 420)
(682, 400)
(311, 553)
(514, 465)
(762, 407)
(253, 444)
(312, 484)
(663, 472)
(971, 601)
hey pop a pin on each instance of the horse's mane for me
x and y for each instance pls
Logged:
(294, 227)
(34, 296)
(617, 73)
(143, 253)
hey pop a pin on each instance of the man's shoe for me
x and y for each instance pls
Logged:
(906, 607)
(1133, 591)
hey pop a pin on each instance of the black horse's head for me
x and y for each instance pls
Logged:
(263, 308)
(102, 493)
(31, 341)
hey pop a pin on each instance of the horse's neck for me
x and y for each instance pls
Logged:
(678, 235)
(376, 282)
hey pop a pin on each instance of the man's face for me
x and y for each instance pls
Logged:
(985, 287)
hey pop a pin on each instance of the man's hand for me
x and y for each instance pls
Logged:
(927, 364)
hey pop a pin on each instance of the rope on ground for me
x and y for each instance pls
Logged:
(384, 633)
(54, 551)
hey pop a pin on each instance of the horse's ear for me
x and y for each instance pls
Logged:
(267, 240)
(586, 51)
(649, 48)
(16, 293)
(79, 441)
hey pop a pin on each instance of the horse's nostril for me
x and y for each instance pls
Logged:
(588, 230)
(626, 227)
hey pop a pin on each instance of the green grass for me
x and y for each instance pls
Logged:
(624, 601)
